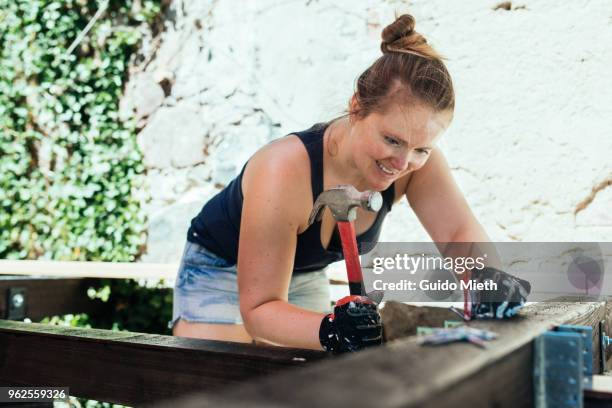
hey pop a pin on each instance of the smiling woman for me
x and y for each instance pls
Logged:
(254, 268)
(386, 145)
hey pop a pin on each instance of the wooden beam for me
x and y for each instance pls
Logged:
(51, 296)
(114, 270)
(132, 368)
(74, 269)
(600, 394)
(403, 373)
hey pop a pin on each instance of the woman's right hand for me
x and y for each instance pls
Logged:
(507, 295)
(355, 324)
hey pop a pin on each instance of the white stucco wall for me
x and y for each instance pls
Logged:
(530, 144)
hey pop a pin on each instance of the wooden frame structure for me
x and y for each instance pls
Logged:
(51, 296)
(79, 269)
(135, 368)
(132, 368)
(405, 374)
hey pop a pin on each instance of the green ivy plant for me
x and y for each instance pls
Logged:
(71, 173)
(135, 306)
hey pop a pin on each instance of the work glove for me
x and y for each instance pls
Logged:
(503, 302)
(355, 324)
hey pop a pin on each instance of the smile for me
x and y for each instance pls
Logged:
(386, 170)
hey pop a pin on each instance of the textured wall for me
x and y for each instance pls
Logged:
(530, 144)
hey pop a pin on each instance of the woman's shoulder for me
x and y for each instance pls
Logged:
(286, 157)
(281, 169)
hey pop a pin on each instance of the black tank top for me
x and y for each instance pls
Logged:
(217, 226)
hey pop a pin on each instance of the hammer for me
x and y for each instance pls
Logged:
(343, 201)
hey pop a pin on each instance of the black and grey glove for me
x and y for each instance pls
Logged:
(504, 295)
(355, 324)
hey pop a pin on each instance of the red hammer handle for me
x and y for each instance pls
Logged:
(467, 309)
(351, 257)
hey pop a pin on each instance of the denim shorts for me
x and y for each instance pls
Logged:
(206, 289)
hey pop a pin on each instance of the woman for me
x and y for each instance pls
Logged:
(254, 269)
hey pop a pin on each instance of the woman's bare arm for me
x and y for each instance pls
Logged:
(272, 212)
(444, 212)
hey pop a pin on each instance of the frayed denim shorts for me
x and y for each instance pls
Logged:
(206, 289)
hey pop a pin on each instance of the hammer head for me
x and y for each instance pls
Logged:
(343, 201)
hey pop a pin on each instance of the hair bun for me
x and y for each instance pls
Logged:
(400, 35)
(403, 26)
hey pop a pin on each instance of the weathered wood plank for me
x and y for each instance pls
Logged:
(51, 296)
(404, 374)
(608, 331)
(600, 395)
(76, 269)
(132, 368)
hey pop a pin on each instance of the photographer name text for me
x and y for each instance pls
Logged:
(427, 285)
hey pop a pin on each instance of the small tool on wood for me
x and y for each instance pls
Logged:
(460, 333)
(343, 201)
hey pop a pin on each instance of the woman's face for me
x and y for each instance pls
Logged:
(389, 145)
